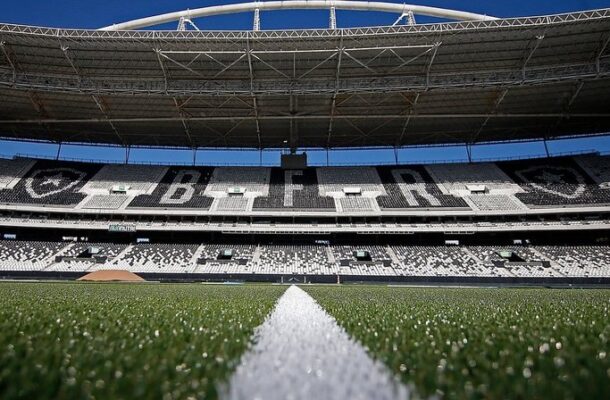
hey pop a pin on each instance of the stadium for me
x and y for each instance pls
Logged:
(293, 276)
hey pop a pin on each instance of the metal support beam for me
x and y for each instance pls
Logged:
(165, 77)
(181, 25)
(293, 124)
(494, 109)
(300, 117)
(566, 108)
(546, 147)
(530, 54)
(253, 95)
(256, 24)
(600, 54)
(429, 68)
(183, 119)
(102, 106)
(299, 5)
(332, 23)
(64, 50)
(9, 58)
(410, 18)
(333, 103)
(405, 125)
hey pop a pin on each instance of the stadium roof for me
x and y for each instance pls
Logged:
(471, 81)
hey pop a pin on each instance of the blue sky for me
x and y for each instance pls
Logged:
(94, 14)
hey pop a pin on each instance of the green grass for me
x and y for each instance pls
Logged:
(483, 343)
(113, 341)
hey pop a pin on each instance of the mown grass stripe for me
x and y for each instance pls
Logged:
(300, 352)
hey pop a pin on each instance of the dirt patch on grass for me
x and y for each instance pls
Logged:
(112, 275)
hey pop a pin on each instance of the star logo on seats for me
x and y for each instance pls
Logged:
(54, 180)
(48, 182)
(564, 182)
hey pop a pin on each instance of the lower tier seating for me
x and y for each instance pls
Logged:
(313, 259)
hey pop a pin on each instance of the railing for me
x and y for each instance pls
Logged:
(314, 164)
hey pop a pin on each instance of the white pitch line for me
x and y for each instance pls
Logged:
(301, 353)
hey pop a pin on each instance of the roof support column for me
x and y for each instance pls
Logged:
(333, 103)
(252, 95)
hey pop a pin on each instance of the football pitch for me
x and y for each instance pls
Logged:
(180, 341)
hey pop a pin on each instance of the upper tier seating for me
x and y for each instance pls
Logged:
(456, 178)
(134, 178)
(494, 202)
(597, 168)
(413, 187)
(253, 180)
(356, 204)
(555, 182)
(294, 189)
(503, 186)
(333, 180)
(105, 201)
(51, 183)
(12, 170)
(179, 188)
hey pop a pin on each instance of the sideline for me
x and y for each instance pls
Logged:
(300, 352)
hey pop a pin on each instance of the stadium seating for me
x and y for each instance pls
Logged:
(294, 189)
(380, 263)
(179, 188)
(161, 258)
(105, 201)
(133, 178)
(27, 256)
(575, 261)
(12, 170)
(75, 256)
(241, 262)
(51, 183)
(413, 187)
(491, 187)
(327, 260)
(596, 167)
(555, 182)
(301, 260)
